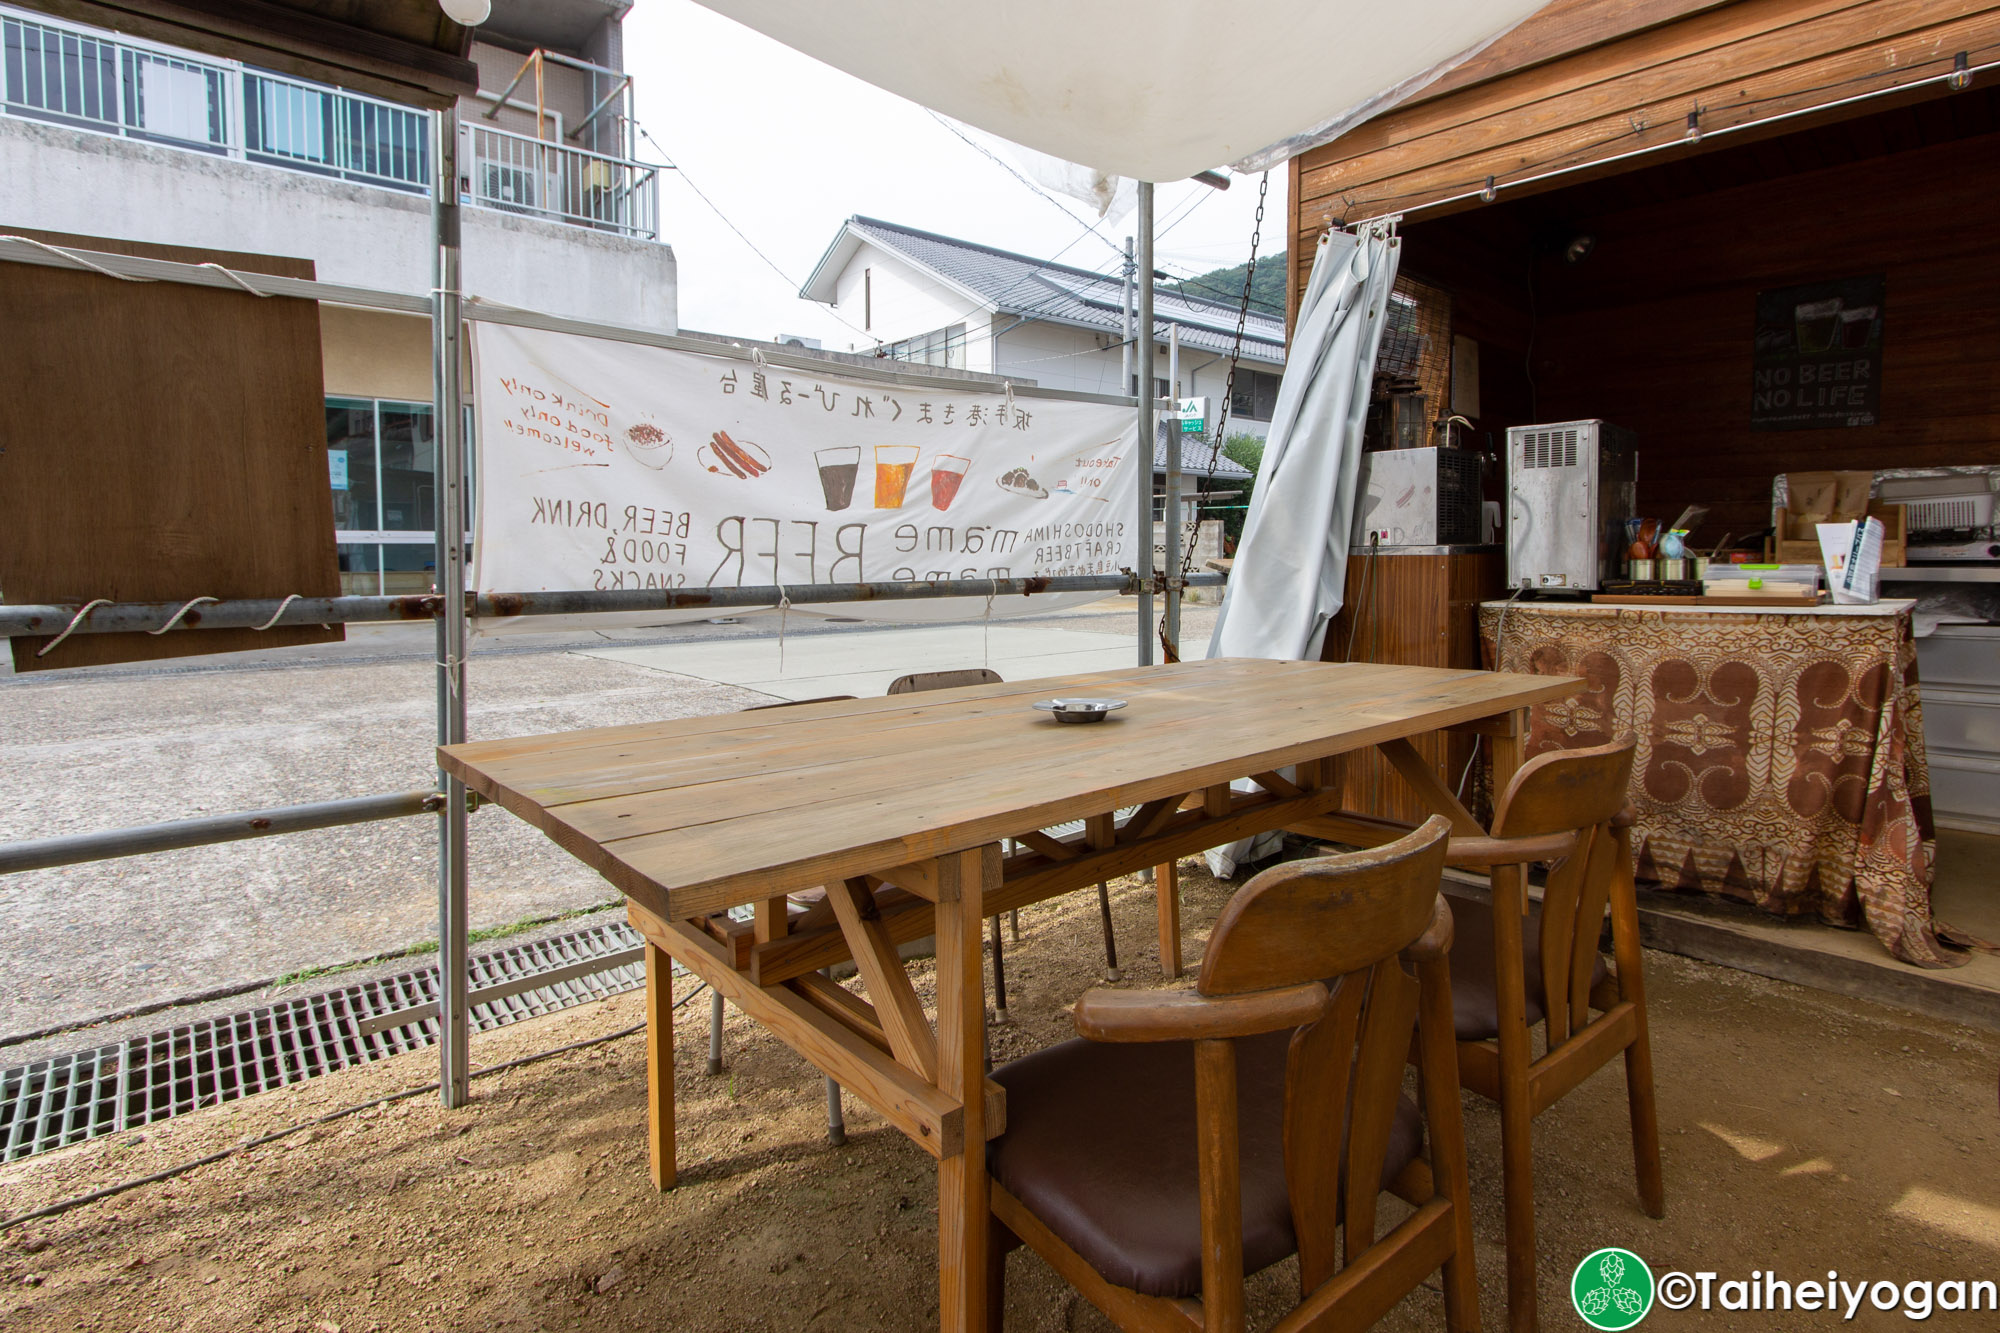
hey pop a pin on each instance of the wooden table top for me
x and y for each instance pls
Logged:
(712, 812)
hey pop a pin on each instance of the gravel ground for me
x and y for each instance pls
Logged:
(110, 747)
(1803, 1132)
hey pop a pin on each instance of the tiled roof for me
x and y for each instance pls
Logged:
(1198, 459)
(1022, 285)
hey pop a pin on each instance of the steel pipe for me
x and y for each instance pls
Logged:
(249, 613)
(42, 853)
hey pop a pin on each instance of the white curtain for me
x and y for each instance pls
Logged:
(1291, 568)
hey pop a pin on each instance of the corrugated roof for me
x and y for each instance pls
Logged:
(1021, 285)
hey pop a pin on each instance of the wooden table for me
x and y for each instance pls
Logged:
(898, 807)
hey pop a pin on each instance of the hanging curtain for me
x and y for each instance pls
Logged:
(1291, 567)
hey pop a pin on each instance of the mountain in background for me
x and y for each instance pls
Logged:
(1267, 289)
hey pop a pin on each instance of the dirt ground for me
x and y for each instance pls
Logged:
(1803, 1133)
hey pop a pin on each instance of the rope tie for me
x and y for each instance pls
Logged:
(76, 619)
(238, 279)
(784, 612)
(74, 258)
(186, 607)
(279, 612)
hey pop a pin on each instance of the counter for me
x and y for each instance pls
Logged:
(1781, 755)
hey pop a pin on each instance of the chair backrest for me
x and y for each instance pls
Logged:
(1581, 791)
(1347, 918)
(919, 681)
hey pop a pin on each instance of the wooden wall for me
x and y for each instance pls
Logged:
(1589, 80)
(160, 442)
(1653, 328)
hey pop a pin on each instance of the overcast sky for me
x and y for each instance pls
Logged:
(787, 148)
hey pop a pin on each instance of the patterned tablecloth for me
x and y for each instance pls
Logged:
(1781, 754)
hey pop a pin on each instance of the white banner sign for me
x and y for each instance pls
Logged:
(607, 465)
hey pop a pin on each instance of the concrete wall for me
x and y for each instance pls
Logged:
(907, 301)
(96, 185)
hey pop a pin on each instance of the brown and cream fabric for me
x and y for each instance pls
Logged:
(1781, 755)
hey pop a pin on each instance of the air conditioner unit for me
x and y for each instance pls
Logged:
(506, 187)
(1570, 488)
(1417, 497)
(797, 340)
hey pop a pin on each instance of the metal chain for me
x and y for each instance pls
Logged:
(1235, 354)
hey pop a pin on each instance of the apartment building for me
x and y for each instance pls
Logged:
(105, 134)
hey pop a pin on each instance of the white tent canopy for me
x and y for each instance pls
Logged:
(1153, 89)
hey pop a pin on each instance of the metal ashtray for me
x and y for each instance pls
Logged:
(1080, 710)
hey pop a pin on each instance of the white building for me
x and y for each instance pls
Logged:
(102, 134)
(935, 299)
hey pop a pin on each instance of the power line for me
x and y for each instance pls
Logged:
(1011, 170)
(789, 281)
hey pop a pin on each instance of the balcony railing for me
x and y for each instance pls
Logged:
(518, 173)
(95, 81)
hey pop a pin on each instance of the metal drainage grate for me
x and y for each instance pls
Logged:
(69, 1098)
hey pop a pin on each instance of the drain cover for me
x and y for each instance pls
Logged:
(68, 1098)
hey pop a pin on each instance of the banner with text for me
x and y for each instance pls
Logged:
(607, 465)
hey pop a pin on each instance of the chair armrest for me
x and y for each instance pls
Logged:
(1484, 853)
(1436, 940)
(1184, 1015)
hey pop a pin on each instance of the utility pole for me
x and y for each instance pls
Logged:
(1173, 512)
(1125, 318)
(1144, 333)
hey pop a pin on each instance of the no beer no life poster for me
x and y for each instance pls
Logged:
(607, 466)
(1817, 357)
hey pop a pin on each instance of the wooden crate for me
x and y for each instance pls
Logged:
(1895, 539)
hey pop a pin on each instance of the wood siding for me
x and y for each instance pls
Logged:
(1588, 81)
(1653, 329)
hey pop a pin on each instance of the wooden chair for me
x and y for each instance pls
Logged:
(1514, 967)
(1193, 1137)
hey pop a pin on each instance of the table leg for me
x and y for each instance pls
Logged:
(964, 881)
(1508, 745)
(660, 1066)
(1167, 892)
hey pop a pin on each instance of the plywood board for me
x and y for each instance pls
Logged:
(160, 442)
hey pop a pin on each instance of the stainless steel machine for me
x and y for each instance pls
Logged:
(1570, 487)
(1417, 497)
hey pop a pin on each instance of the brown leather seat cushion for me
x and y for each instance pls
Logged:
(1100, 1145)
(1475, 1011)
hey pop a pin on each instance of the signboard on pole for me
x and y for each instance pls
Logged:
(609, 465)
(1193, 414)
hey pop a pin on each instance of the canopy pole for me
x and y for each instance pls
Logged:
(1144, 333)
(1171, 635)
(447, 429)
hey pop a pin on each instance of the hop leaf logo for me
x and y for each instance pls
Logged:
(1612, 1289)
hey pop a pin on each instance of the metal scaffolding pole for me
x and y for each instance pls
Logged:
(448, 429)
(1144, 333)
(1171, 633)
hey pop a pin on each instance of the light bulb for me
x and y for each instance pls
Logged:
(469, 13)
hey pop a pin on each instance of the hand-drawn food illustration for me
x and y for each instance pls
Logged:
(838, 467)
(649, 444)
(733, 458)
(893, 463)
(1018, 482)
(947, 471)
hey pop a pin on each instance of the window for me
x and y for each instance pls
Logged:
(1256, 395)
(382, 461)
(942, 347)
